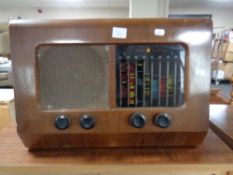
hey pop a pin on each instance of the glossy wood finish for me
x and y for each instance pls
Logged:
(5, 117)
(212, 157)
(217, 98)
(221, 120)
(189, 122)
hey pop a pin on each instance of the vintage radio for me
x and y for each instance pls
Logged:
(111, 82)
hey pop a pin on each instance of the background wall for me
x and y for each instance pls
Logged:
(61, 13)
(4, 43)
(52, 13)
(222, 17)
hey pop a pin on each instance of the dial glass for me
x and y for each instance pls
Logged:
(150, 75)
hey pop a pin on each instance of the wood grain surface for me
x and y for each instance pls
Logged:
(217, 98)
(221, 121)
(12, 151)
(213, 157)
(36, 126)
(4, 115)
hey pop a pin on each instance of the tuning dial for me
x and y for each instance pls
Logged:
(87, 121)
(163, 120)
(138, 120)
(62, 122)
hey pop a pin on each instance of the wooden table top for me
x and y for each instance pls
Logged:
(221, 121)
(14, 157)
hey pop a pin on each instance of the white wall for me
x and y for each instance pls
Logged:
(4, 43)
(71, 13)
(148, 8)
(221, 17)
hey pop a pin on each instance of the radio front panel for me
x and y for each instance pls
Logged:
(146, 76)
(79, 83)
(150, 75)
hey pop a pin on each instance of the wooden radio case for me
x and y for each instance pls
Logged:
(111, 82)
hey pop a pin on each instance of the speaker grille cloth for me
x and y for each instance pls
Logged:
(73, 76)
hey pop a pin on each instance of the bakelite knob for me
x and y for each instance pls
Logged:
(62, 122)
(163, 120)
(138, 120)
(87, 121)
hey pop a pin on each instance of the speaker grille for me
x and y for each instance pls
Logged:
(73, 77)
